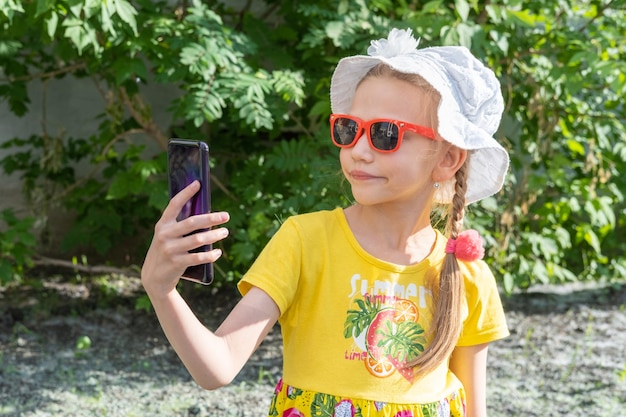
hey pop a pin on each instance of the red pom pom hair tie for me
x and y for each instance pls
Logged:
(467, 247)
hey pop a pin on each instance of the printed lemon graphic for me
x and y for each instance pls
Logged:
(406, 310)
(381, 367)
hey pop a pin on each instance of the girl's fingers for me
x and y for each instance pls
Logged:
(177, 202)
(175, 240)
(204, 238)
(193, 228)
(178, 252)
(199, 258)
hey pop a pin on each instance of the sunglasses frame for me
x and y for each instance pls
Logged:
(367, 125)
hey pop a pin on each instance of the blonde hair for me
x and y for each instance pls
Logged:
(449, 289)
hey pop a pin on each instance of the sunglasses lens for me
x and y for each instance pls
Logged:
(384, 135)
(344, 130)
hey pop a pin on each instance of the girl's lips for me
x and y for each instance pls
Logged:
(361, 175)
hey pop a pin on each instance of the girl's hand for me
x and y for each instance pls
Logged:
(168, 255)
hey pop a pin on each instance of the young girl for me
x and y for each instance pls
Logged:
(381, 315)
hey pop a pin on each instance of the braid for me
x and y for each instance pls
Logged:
(448, 293)
(457, 209)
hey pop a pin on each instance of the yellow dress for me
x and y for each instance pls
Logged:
(350, 321)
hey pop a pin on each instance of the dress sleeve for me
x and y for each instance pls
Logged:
(277, 269)
(485, 320)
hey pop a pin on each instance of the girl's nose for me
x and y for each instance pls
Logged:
(362, 149)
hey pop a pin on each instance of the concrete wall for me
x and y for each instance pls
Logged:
(68, 107)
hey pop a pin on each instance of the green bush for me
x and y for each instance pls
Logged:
(254, 85)
(16, 245)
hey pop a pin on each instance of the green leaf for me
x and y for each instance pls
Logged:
(143, 303)
(601, 212)
(450, 35)
(466, 34)
(432, 6)
(123, 184)
(6, 271)
(525, 17)
(501, 40)
(10, 7)
(129, 70)
(289, 85)
(51, 24)
(77, 7)
(539, 272)
(81, 35)
(107, 10)
(127, 13)
(334, 30)
(462, 8)
(42, 7)
(562, 274)
(83, 343)
(592, 239)
(9, 48)
(508, 282)
(575, 147)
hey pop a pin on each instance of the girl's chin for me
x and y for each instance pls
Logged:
(367, 198)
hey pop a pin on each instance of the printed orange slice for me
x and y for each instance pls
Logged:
(381, 367)
(406, 310)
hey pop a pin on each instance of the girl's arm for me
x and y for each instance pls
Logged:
(469, 364)
(212, 358)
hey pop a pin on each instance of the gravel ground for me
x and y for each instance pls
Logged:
(80, 350)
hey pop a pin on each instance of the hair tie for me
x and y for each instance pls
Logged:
(468, 246)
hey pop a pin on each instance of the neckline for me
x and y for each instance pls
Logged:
(433, 258)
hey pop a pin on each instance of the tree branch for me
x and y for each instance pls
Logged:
(50, 74)
(136, 107)
(89, 269)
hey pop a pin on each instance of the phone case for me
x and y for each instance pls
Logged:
(188, 160)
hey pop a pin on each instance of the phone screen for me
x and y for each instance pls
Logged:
(188, 160)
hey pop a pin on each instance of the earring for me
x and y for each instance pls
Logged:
(436, 185)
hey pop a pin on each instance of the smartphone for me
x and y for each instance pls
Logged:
(187, 161)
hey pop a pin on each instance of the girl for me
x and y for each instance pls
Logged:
(380, 314)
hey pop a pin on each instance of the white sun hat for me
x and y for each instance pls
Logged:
(469, 111)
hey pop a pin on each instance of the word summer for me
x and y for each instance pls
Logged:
(386, 291)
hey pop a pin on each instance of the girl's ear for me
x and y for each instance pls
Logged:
(453, 158)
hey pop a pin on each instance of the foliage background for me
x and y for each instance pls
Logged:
(253, 82)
